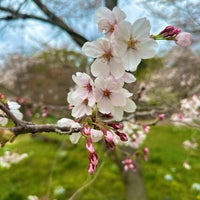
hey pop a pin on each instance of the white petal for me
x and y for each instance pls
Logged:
(146, 48)
(102, 13)
(96, 135)
(3, 121)
(118, 113)
(116, 69)
(119, 14)
(80, 110)
(100, 68)
(128, 77)
(17, 114)
(131, 60)
(130, 106)
(81, 78)
(105, 105)
(13, 105)
(93, 49)
(74, 137)
(65, 122)
(117, 99)
(141, 28)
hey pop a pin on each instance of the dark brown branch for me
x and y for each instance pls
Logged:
(16, 15)
(111, 3)
(33, 128)
(80, 40)
(10, 115)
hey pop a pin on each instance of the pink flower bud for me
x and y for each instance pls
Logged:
(2, 96)
(123, 136)
(161, 116)
(128, 164)
(145, 157)
(89, 146)
(110, 145)
(45, 112)
(170, 31)
(184, 39)
(108, 136)
(93, 158)
(116, 125)
(146, 128)
(86, 130)
(146, 150)
(91, 168)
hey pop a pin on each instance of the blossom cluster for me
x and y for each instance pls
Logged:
(102, 96)
(189, 111)
(11, 157)
(183, 39)
(98, 102)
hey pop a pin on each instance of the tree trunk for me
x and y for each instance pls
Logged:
(134, 184)
(110, 4)
(133, 181)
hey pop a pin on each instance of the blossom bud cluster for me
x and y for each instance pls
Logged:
(183, 39)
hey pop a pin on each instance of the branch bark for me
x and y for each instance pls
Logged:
(34, 128)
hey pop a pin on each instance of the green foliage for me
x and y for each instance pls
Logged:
(52, 165)
(166, 158)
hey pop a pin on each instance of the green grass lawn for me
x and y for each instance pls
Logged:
(57, 170)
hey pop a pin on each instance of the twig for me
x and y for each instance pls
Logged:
(90, 182)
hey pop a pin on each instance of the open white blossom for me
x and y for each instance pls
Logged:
(106, 62)
(110, 94)
(108, 20)
(132, 43)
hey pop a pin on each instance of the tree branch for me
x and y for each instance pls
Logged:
(34, 128)
(80, 40)
(51, 19)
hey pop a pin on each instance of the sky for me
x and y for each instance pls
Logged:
(28, 37)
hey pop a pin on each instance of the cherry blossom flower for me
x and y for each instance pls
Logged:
(11, 157)
(81, 106)
(132, 43)
(14, 109)
(65, 122)
(108, 20)
(110, 94)
(82, 98)
(85, 85)
(186, 165)
(183, 39)
(106, 62)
